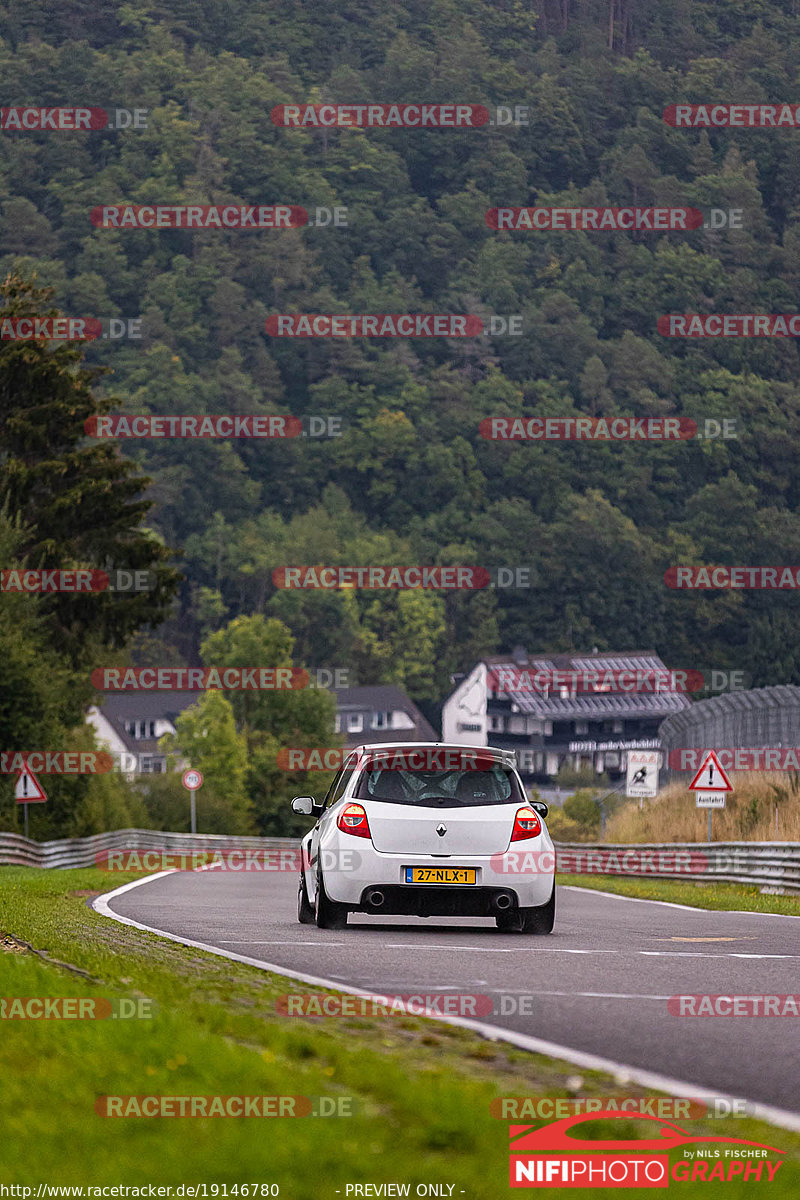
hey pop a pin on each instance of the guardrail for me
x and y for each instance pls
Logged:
(762, 864)
(83, 852)
(773, 865)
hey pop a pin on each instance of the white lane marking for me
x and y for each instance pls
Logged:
(677, 938)
(566, 950)
(160, 903)
(498, 949)
(248, 942)
(699, 954)
(472, 949)
(589, 995)
(622, 1072)
(742, 954)
(721, 912)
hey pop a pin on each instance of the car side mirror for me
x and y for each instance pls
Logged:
(540, 807)
(306, 805)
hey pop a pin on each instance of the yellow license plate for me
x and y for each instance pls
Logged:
(441, 875)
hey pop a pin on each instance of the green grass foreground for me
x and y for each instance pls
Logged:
(720, 897)
(421, 1090)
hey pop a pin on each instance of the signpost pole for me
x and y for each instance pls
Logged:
(194, 816)
(599, 800)
(712, 792)
(25, 813)
(192, 780)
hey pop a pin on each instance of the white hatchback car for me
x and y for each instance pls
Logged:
(424, 829)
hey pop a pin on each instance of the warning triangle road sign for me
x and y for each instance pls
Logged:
(711, 777)
(28, 789)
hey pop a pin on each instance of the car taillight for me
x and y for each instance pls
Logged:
(353, 819)
(526, 825)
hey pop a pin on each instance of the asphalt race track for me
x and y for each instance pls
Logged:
(598, 984)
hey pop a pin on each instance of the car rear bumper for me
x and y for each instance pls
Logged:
(438, 901)
(527, 882)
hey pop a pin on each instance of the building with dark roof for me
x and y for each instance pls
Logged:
(508, 701)
(383, 712)
(129, 724)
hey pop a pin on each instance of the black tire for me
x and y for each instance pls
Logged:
(328, 914)
(539, 919)
(305, 911)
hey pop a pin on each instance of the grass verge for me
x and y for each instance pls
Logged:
(421, 1090)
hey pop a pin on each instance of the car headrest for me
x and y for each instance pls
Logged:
(476, 787)
(390, 786)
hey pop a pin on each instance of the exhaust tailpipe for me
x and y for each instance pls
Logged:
(503, 901)
(376, 898)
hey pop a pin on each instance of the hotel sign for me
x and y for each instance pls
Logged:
(615, 744)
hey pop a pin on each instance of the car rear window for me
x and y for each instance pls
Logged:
(440, 789)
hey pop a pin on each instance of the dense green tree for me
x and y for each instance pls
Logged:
(268, 721)
(206, 738)
(411, 479)
(79, 503)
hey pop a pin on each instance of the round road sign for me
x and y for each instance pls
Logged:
(192, 779)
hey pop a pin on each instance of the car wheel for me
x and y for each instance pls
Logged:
(539, 919)
(328, 914)
(305, 911)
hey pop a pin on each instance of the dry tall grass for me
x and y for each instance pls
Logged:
(749, 814)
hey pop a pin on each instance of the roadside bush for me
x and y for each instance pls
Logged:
(577, 821)
(763, 807)
(569, 777)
